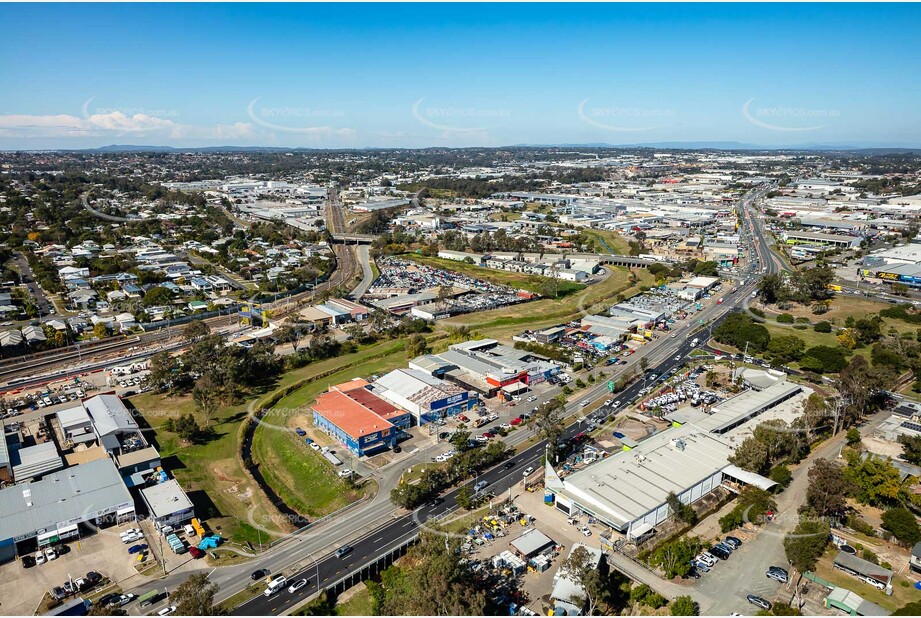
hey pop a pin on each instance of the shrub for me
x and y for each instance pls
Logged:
(870, 556)
(858, 524)
(756, 311)
(822, 327)
(785, 318)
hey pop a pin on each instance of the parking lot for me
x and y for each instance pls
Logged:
(22, 589)
(396, 273)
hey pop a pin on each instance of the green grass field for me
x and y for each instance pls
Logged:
(359, 604)
(300, 476)
(531, 283)
(210, 472)
(617, 243)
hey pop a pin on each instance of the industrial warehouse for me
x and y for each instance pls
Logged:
(44, 512)
(488, 367)
(358, 419)
(628, 490)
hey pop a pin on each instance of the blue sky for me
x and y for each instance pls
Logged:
(355, 75)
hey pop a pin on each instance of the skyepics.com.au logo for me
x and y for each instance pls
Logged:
(457, 118)
(306, 120)
(788, 118)
(624, 119)
(146, 112)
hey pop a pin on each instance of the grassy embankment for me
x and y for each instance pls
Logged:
(522, 281)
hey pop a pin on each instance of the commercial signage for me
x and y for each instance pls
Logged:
(889, 276)
(449, 401)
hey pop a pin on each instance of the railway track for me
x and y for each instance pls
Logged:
(16, 369)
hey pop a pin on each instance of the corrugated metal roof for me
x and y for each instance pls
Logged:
(76, 493)
(629, 484)
(109, 415)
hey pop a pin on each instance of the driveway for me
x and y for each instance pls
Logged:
(729, 582)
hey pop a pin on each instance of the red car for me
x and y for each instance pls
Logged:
(515, 421)
(195, 552)
(489, 434)
(463, 418)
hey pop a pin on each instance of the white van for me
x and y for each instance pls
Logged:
(275, 585)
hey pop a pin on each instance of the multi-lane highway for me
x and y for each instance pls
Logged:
(375, 529)
(663, 355)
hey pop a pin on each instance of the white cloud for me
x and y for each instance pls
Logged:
(116, 124)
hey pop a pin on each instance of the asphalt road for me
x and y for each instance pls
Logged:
(670, 353)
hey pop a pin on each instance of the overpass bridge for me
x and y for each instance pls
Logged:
(353, 239)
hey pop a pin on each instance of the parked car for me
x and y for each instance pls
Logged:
(135, 549)
(300, 431)
(108, 599)
(195, 552)
(27, 562)
(874, 582)
(58, 593)
(93, 577)
(777, 574)
(758, 601)
(585, 530)
(345, 472)
(719, 552)
(734, 541)
(707, 558)
(700, 566)
(515, 421)
(126, 598)
(166, 611)
(50, 553)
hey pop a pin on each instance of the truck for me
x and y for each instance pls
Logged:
(196, 525)
(275, 585)
(694, 342)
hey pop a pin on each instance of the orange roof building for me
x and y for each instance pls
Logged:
(358, 419)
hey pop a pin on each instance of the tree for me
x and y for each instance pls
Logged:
(751, 455)
(873, 480)
(195, 597)
(786, 349)
(459, 439)
(290, 333)
(781, 475)
(644, 595)
(674, 558)
(771, 289)
(582, 569)
(438, 582)
(684, 606)
(853, 437)
(100, 330)
(828, 487)
(681, 511)
(911, 448)
(806, 543)
(823, 359)
(549, 423)
(465, 497)
(903, 525)
(416, 345)
(195, 330)
(206, 395)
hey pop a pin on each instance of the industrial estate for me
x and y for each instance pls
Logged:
(592, 374)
